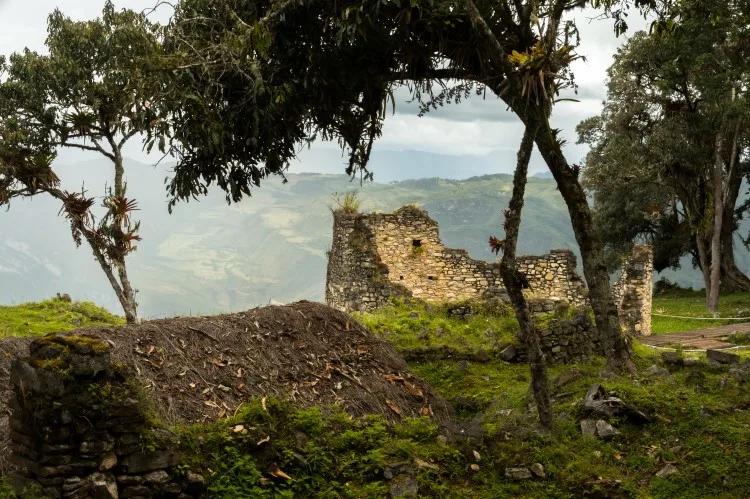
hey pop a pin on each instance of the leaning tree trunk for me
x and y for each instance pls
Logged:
(592, 254)
(733, 280)
(513, 281)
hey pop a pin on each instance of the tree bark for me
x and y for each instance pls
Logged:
(712, 303)
(615, 346)
(733, 280)
(513, 281)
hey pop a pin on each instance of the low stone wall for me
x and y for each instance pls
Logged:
(79, 430)
(633, 292)
(564, 341)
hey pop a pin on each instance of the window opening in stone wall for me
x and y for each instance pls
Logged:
(432, 277)
(416, 243)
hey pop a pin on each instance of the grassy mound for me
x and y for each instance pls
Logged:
(55, 315)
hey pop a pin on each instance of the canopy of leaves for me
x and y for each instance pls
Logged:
(653, 145)
(250, 82)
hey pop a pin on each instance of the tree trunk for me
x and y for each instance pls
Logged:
(705, 263)
(718, 217)
(733, 280)
(592, 254)
(127, 296)
(513, 280)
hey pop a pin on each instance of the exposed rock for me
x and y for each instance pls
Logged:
(604, 430)
(509, 354)
(666, 471)
(518, 473)
(404, 486)
(607, 375)
(657, 371)
(599, 402)
(568, 376)
(588, 428)
(538, 470)
(103, 486)
(722, 357)
(395, 469)
(141, 462)
(108, 462)
(691, 362)
(672, 358)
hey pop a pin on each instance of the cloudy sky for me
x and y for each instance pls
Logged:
(478, 135)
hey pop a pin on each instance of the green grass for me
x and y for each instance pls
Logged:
(417, 325)
(34, 319)
(693, 304)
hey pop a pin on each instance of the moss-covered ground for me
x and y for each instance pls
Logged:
(700, 424)
(51, 316)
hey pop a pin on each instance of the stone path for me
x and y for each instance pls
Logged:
(699, 339)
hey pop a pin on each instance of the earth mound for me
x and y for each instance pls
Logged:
(202, 368)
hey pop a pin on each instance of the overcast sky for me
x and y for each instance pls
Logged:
(470, 132)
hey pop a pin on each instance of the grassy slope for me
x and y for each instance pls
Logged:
(693, 304)
(31, 319)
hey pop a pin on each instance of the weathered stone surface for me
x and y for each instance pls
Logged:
(588, 428)
(657, 371)
(722, 357)
(604, 430)
(141, 462)
(57, 435)
(666, 471)
(672, 358)
(538, 470)
(598, 402)
(37, 380)
(567, 377)
(404, 486)
(108, 462)
(518, 473)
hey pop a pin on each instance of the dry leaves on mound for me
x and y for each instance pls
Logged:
(203, 368)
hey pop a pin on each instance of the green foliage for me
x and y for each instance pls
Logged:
(348, 202)
(327, 455)
(52, 316)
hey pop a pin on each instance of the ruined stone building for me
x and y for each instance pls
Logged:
(379, 255)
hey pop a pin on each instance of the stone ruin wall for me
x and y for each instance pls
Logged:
(78, 429)
(633, 292)
(375, 256)
(554, 277)
(379, 255)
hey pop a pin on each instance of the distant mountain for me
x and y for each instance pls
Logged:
(208, 257)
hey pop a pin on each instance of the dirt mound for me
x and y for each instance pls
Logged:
(202, 368)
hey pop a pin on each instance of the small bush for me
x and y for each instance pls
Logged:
(348, 202)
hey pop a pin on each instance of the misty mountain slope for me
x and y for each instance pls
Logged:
(209, 257)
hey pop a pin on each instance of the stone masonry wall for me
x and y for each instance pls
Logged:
(554, 276)
(379, 255)
(634, 291)
(374, 256)
(563, 341)
(78, 430)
